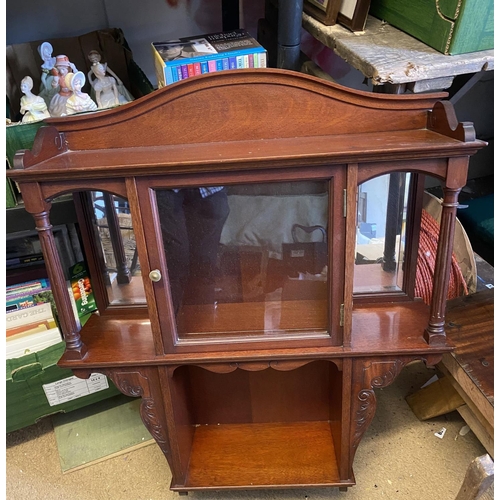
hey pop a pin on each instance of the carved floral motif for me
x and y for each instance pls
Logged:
(150, 418)
(136, 384)
(375, 374)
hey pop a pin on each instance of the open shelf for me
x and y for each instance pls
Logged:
(269, 454)
(259, 428)
(385, 328)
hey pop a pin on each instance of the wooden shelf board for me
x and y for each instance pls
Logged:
(174, 159)
(270, 454)
(123, 337)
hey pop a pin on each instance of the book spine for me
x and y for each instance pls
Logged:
(38, 327)
(168, 76)
(238, 59)
(175, 78)
(24, 260)
(27, 287)
(212, 66)
(31, 315)
(256, 61)
(262, 60)
(22, 301)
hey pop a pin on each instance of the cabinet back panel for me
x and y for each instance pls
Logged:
(303, 394)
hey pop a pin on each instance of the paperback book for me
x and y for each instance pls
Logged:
(177, 60)
(30, 329)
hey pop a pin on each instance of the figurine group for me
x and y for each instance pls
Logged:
(61, 88)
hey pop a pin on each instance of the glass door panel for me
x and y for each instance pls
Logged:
(247, 260)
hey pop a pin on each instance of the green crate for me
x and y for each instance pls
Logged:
(449, 26)
(26, 400)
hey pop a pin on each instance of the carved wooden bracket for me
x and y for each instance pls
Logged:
(442, 119)
(48, 143)
(370, 374)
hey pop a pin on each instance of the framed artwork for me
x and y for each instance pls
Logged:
(353, 14)
(325, 11)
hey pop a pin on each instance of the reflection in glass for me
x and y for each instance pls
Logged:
(247, 260)
(380, 237)
(122, 268)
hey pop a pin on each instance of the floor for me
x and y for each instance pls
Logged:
(399, 457)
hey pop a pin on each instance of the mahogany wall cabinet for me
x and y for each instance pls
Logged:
(257, 343)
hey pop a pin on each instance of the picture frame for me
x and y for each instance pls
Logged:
(325, 11)
(353, 14)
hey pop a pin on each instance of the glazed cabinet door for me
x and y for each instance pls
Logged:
(237, 264)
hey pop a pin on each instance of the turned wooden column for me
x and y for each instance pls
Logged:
(435, 333)
(75, 348)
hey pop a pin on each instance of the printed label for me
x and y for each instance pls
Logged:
(71, 388)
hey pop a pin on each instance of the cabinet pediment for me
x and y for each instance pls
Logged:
(240, 105)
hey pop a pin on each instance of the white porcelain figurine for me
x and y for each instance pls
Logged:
(33, 107)
(109, 91)
(79, 101)
(57, 106)
(47, 91)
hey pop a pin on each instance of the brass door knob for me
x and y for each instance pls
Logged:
(155, 275)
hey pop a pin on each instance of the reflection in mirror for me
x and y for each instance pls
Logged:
(122, 271)
(247, 260)
(24, 258)
(380, 236)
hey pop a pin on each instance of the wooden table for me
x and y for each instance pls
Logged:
(388, 56)
(471, 365)
(468, 382)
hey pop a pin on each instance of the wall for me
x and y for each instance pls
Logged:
(142, 22)
(146, 21)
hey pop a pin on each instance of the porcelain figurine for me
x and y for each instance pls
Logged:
(33, 107)
(63, 66)
(79, 101)
(47, 91)
(108, 90)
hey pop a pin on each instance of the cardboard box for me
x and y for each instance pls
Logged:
(449, 26)
(24, 60)
(37, 387)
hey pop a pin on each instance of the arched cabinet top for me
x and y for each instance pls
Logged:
(233, 119)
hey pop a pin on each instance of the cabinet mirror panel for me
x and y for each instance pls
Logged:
(381, 233)
(247, 260)
(121, 269)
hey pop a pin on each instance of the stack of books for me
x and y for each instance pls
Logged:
(177, 60)
(30, 323)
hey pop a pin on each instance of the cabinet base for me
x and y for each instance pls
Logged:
(267, 455)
